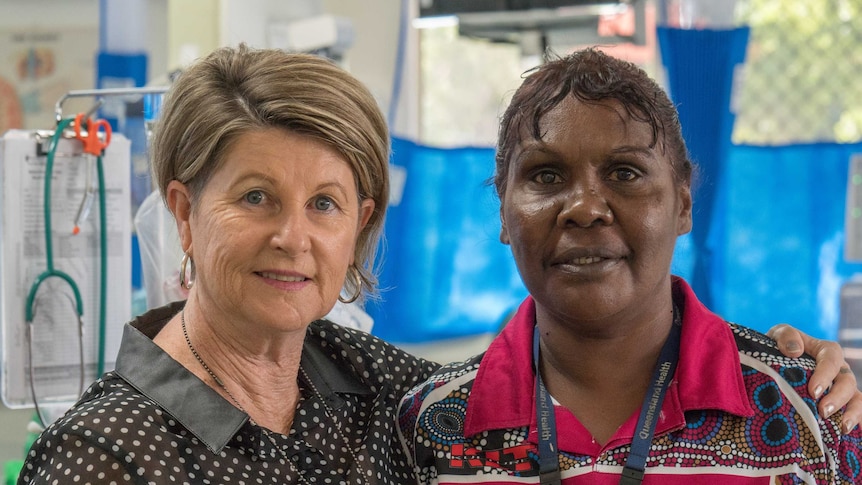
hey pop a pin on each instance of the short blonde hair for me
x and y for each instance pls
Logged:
(233, 91)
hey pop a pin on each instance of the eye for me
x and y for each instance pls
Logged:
(323, 203)
(255, 197)
(624, 174)
(546, 178)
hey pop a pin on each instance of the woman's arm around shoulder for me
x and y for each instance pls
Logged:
(832, 373)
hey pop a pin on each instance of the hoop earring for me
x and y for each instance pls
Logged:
(187, 283)
(358, 283)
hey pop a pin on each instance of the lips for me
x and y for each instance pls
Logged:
(282, 277)
(587, 260)
(586, 256)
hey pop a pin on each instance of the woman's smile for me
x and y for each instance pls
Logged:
(587, 261)
(284, 281)
(281, 277)
(588, 265)
(592, 216)
(275, 229)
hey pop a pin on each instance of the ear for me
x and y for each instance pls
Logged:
(504, 231)
(180, 204)
(366, 209)
(684, 222)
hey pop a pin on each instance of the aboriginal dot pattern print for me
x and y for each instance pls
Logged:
(117, 434)
(776, 441)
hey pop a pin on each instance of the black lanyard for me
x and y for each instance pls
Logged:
(633, 473)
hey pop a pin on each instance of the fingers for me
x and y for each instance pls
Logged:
(832, 372)
(790, 341)
(842, 391)
(853, 413)
(829, 362)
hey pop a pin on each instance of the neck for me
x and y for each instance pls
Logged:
(602, 377)
(255, 377)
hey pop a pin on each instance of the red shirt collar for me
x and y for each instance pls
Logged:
(708, 376)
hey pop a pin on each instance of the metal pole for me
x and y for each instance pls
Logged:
(100, 93)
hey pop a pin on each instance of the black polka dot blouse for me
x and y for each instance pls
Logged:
(151, 421)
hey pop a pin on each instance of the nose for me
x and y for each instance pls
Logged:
(291, 231)
(584, 206)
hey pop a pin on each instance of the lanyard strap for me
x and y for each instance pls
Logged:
(633, 473)
(549, 464)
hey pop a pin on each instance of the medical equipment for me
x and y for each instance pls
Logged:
(93, 148)
(54, 259)
(52, 272)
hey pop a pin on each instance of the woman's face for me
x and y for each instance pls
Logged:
(592, 213)
(274, 230)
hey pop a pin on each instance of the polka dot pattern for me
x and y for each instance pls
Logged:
(117, 434)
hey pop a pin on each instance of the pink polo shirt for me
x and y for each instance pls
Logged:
(736, 412)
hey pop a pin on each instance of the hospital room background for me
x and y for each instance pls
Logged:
(768, 93)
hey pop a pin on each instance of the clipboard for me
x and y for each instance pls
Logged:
(56, 368)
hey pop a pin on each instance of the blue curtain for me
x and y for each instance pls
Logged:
(700, 67)
(778, 239)
(445, 273)
(781, 226)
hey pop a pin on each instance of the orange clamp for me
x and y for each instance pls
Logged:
(91, 141)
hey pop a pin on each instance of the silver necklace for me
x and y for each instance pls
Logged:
(326, 408)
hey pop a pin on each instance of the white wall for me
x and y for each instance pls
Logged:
(207, 23)
(373, 56)
(195, 27)
(36, 13)
(46, 14)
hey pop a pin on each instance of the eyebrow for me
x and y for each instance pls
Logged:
(253, 176)
(536, 146)
(631, 148)
(533, 146)
(336, 185)
(257, 175)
